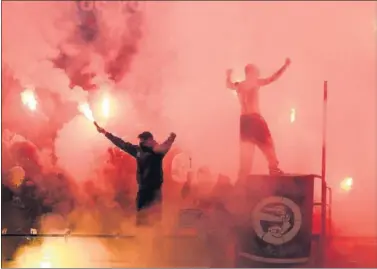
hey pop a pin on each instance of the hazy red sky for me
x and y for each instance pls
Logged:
(186, 48)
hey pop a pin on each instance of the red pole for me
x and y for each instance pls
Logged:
(323, 175)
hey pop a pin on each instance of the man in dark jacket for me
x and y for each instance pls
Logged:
(149, 156)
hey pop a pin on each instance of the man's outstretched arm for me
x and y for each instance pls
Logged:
(229, 83)
(164, 147)
(276, 75)
(120, 143)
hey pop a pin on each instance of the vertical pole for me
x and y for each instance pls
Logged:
(323, 175)
(329, 230)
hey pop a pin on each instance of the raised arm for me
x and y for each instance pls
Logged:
(229, 84)
(164, 147)
(276, 75)
(125, 146)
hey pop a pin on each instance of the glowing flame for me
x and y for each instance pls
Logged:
(293, 115)
(45, 264)
(106, 107)
(46, 260)
(28, 99)
(84, 108)
(346, 184)
(58, 253)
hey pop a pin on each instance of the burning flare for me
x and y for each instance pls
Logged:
(28, 99)
(61, 253)
(106, 107)
(84, 108)
(293, 115)
(346, 184)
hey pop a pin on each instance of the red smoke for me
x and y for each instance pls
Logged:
(165, 67)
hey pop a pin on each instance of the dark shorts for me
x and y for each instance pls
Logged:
(148, 197)
(254, 128)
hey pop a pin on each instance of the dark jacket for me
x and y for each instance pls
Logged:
(149, 163)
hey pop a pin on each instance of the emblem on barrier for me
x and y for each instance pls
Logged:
(276, 220)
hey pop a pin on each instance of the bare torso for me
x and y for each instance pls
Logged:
(248, 96)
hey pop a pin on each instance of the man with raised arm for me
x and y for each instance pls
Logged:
(149, 155)
(253, 127)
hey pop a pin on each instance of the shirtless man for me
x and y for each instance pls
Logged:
(253, 127)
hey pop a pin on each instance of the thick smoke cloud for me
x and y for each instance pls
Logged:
(205, 38)
(27, 48)
(68, 48)
(171, 68)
